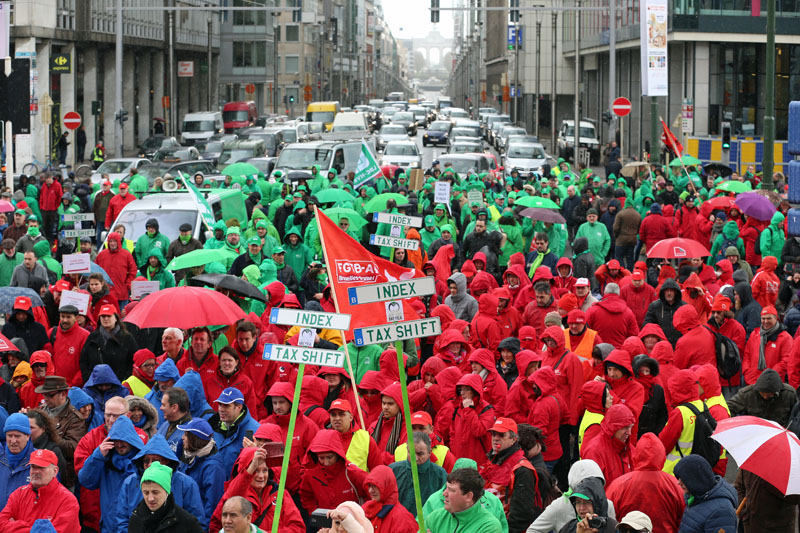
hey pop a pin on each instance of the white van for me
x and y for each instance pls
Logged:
(351, 121)
(201, 126)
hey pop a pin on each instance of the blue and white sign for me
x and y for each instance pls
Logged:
(426, 327)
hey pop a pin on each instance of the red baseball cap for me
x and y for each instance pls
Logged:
(421, 418)
(341, 405)
(123, 185)
(107, 310)
(23, 303)
(43, 458)
(107, 182)
(613, 264)
(638, 275)
(576, 316)
(501, 425)
(721, 303)
(61, 285)
(769, 310)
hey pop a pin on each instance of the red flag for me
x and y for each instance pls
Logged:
(442, 259)
(351, 265)
(755, 8)
(670, 140)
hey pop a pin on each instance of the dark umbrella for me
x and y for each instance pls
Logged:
(723, 170)
(545, 215)
(159, 119)
(232, 283)
(9, 294)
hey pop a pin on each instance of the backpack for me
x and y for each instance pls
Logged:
(703, 445)
(726, 242)
(729, 361)
(758, 241)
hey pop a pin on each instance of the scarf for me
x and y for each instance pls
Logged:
(647, 382)
(189, 457)
(14, 459)
(152, 519)
(394, 436)
(537, 262)
(108, 334)
(765, 335)
(256, 258)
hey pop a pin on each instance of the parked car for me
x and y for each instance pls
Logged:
(404, 154)
(527, 158)
(391, 132)
(587, 139)
(117, 169)
(407, 120)
(154, 143)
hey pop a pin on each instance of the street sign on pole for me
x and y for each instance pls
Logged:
(381, 292)
(73, 233)
(393, 242)
(72, 120)
(78, 217)
(309, 319)
(426, 327)
(301, 355)
(621, 106)
(397, 219)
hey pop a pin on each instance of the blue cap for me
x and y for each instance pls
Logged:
(199, 427)
(229, 396)
(19, 422)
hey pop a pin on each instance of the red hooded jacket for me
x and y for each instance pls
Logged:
(387, 515)
(371, 380)
(709, 380)
(665, 355)
(494, 387)
(217, 383)
(626, 390)
(383, 433)
(765, 283)
(119, 265)
(517, 289)
(613, 319)
(565, 283)
(312, 397)
(459, 360)
(777, 354)
(697, 345)
(485, 327)
(325, 487)
(569, 372)
(750, 233)
(649, 487)
(443, 421)
(638, 299)
(592, 399)
(655, 227)
(260, 372)
(686, 222)
(509, 319)
(469, 432)
(612, 455)
(546, 411)
(518, 400)
(28, 397)
(701, 302)
(534, 315)
(682, 388)
(67, 350)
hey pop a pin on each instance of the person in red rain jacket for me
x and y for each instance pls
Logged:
(518, 400)
(750, 234)
(344, 419)
(515, 280)
(776, 344)
(329, 478)
(626, 390)
(546, 413)
(655, 227)
(611, 450)
(341, 386)
(649, 487)
(638, 295)
(564, 281)
(443, 419)
(612, 317)
(442, 291)
(711, 394)
(389, 429)
(686, 221)
(765, 283)
(249, 345)
(200, 356)
(612, 272)
(538, 308)
(229, 374)
(471, 418)
(117, 203)
(495, 389)
(695, 294)
(482, 283)
(665, 355)
(430, 369)
(596, 398)
(568, 369)
(257, 484)
(724, 269)
(697, 345)
(143, 374)
(119, 265)
(311, 399)
(651, 334)
(485, 325)
(509, 319)
(68, 345)
(528, 338)
(370, 387)
(42, 365)
(279, 404)
(383, 509)
(579, 338)
(527, 294)
(683, 388)
(453, 349)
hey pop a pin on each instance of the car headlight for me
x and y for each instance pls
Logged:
(426, 135)
(415, 164)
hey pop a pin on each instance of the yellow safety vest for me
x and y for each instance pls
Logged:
(137, 386)
(686, 438)
(358, 451)
(589, 418)
(440, 451)
(584, 349)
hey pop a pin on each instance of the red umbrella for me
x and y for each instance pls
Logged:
(184, 307)
(764, 448)
(721, 202)
(678, 248)
(6, 207)
(6, 345)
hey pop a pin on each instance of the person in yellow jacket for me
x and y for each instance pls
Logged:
(361, 449)
(678, 435)
(596, 398)
(143, 378)
(440, 454)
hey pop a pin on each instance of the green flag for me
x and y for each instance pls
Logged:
(202, 205)
(367, 168)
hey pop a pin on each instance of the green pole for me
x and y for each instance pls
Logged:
(412, 457)
(655, 138)
(769, 102)
(287, 452)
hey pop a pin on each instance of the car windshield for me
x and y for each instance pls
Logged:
(235, 116)
(585, 132)
(209, 146)
(316, 127)
(320, 116)
(393, 130)
(152, 143)
(151, 172)
(197, 126)
(401, 149)
(390, 111)
(290, 136)
(463, 132)
(268, 138)
(234, 155)
(458, 114)
(114, 167)
(168, 222)
(403, 116)
(351, 127)
(513, 131)
(303, 158)
(173, 155)
(459, 165)
(263, 165)
(525, 152)
(439, 126)
(464, 148)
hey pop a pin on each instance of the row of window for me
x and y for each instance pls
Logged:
(253, 54)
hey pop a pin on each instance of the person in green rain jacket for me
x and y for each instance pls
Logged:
(728, 237)
(513, 231)
(257, 217)
(430, 232)
(9, 260)
(154, 270)
(597, 235)
(138, 184)
(67, 207)
(147, 242)
(557, 235)
(32, 199)
(218, 240)
(772, 238)
(298, 255)
(42, 251)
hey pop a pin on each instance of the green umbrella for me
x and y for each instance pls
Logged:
(379, 202)
(199, 257)
(334, 195)
(734, 186)
(336, 213)
(688, 160)
(537, 201)
(241, 170)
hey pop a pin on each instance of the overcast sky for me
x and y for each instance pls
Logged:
(412, 18)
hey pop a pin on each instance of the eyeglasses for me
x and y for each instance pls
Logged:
(50, 394)
(148, 365)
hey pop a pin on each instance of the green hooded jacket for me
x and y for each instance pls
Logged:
(599, 240)
(213, 243)
(298, 256)
(7, 266)
(42, 251)
(729, 236)
(164, 277)
(476, 519)
(257, 215)
(146, 243)
(772, 238)
(138, 185)
(514, 242)
(429, 236)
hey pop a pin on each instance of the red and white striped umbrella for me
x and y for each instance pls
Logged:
(764, 448)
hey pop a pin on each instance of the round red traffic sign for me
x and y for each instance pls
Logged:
(621, 106)
(250, 88)
(72, 120)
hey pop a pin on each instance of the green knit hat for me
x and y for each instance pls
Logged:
(159, 474)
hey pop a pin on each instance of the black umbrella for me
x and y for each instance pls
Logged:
(545, 215)
(232, 283)
(723, 170)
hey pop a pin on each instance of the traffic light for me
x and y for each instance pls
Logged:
(434, 11)
(726, 136)
(291, 99)
(284, 99)
(121, 116)
(97, 107)
(607, 117)
(514, 13)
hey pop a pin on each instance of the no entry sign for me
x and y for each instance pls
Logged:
(72, 120)
(621, 106)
